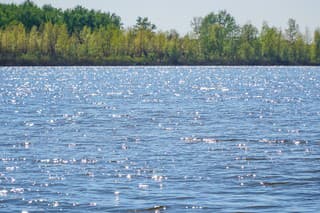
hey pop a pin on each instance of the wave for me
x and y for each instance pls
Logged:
(216, 140)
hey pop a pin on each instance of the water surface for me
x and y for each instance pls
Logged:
(159, 139)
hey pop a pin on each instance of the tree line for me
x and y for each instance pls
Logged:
(30, 35)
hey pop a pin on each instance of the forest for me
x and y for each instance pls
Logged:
(33, 35)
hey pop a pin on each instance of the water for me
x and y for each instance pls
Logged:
(160, 139)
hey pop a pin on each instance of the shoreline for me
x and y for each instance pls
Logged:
(87, 63)
(162, 65)
(159, 65)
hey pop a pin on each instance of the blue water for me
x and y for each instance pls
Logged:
(159, 139)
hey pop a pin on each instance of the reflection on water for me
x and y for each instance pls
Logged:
(157, 139)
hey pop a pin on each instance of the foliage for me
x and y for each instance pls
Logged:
(31, 15)
(30, 35)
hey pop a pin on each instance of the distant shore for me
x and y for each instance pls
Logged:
(126, 63)
(48, 36)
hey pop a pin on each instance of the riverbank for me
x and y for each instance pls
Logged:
(134, 62)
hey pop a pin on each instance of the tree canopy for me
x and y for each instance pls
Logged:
(29, 14)
(50, 36)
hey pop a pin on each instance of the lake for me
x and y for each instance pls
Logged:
(159, 139)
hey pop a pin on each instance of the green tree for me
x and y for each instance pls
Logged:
(1, 42)
(270, 39)
(160, 43)
(73, 48)
(4, 42)
(249, 44)
(48, 39)
(300, 50)
(29, 14)
(14, 41)
(217, 35)
(79, 17)
(84, 39)
(215, 41)
(144, 30)
(130, 45)
(144, 24)
(21, 39)
(292, 35)
(51, 14)
(315, 49)
(48, 35)
(96, 45)
(62, 44)
(116, 41)
(190, 50)
(173, 47)
(33, 41)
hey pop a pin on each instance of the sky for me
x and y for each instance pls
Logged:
(177, 14)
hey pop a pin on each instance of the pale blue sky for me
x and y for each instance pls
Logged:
(177, 14)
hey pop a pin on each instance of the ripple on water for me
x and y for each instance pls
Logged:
(156, 139)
